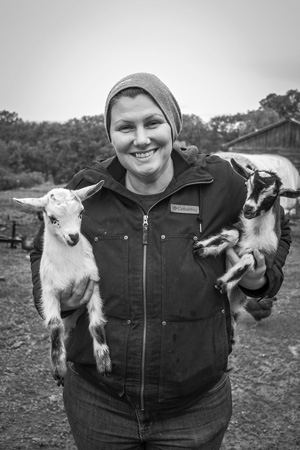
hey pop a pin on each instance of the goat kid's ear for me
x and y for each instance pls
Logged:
(88, 191)
(290, 193)
(37, 203)
(241, 170)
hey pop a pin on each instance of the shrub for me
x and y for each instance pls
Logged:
(9, 180)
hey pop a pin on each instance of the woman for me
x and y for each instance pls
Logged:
(168, 328)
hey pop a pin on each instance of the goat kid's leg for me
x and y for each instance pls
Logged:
(97, 330)
(215, 245)
(236, 300)
(54, 323)
(58, 351)
(234, 275)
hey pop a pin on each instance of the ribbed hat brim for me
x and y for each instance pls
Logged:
(160, 93)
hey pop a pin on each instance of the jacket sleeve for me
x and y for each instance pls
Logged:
(275, 274)
(35, 260)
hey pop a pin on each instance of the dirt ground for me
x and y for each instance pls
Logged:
(265, 363)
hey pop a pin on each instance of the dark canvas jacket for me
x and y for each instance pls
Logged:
(167, 326)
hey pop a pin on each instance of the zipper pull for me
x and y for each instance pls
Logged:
(145, 229)
(200, 224)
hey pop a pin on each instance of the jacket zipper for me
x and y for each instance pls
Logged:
(145, 243)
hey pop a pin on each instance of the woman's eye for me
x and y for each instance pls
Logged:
(125, 128)
(153, 124)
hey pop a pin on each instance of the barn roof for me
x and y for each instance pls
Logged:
(261, 131)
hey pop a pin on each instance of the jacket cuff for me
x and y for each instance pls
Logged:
(270, 288)
(258, 293)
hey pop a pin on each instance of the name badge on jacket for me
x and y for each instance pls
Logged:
(184, 209)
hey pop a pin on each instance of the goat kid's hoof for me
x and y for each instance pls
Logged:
(59, 373)
(198, 248)
(59, 379)
(103, 362)
(221, 286)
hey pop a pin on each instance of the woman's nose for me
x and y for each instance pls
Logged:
(141, 138)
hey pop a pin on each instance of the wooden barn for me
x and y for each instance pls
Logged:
(281, 138)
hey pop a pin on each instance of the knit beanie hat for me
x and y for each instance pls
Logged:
(160, 93)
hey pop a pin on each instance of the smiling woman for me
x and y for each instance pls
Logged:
(168, 328)
(143, 120)
(142, 139)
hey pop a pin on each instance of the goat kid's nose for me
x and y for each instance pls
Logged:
(248, 208)
(249, 212)
(74, 238)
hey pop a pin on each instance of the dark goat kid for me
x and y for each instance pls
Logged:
(258, 228)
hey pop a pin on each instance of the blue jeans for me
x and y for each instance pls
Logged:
(100, 421)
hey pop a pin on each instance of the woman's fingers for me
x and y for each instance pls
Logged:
(74, 296)
(231, 257)
(253, 278)
(88, 292)
(260, 259)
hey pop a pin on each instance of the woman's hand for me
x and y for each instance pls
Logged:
(253, 279)
(72, 298)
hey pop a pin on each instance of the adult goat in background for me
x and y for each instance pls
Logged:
(67, 259)
(258, 228)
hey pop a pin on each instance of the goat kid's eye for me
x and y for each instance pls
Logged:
(269, 189)
(53, 220)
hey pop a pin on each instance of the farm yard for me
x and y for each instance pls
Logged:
(265, 362)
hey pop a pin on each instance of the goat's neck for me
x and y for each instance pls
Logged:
(55, 248)
(66, 264)
(259, 223)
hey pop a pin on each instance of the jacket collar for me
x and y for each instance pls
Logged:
(184, 171)
(117, 171)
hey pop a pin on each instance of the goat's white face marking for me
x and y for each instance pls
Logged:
(63, 210)
(64, 213)
(263, 187)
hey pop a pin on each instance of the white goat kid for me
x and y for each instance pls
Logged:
(67, 259)
(258, 228)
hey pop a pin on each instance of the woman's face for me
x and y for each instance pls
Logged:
(141, 137)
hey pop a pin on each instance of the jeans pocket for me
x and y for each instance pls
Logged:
(218, 385)
(72, 367)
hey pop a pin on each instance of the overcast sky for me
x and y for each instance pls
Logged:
(59, 58)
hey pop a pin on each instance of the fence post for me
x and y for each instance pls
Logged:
(13, 235)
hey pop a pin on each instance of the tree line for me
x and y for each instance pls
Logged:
(34, 152)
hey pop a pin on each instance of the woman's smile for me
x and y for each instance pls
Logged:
(144, 155)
